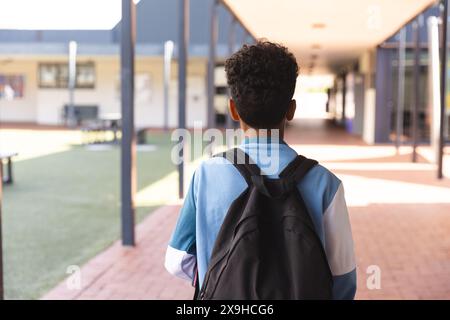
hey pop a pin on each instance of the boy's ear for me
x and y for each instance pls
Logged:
(233, 111)
(291, 110)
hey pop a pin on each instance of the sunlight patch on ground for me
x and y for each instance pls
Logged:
(31, 144)
(347, 152)
(380, 166)
(99, 147)
(428, 153)
(361, 191)
(157, 194)
(109, 146)
(377, 174)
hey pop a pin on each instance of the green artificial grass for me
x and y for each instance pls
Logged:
(64, 208)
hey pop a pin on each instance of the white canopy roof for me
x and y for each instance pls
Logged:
(328, 32)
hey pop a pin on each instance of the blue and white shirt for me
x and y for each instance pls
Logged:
(217, 183)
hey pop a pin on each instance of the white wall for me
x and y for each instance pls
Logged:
(44, 106)
(150, 112)
(369, 116)
(367, 65)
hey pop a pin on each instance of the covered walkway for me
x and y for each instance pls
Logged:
(398, 210)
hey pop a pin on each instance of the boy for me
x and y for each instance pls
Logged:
(262, 79)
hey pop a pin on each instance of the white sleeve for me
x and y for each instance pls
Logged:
(180, 263)
(338, 235)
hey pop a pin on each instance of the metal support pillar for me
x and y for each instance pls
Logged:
(183, 40)
(231, 41)
(416, 97)
(71, 120)
(128, 142)
(212, 64)
(401, 88)
(444, 48)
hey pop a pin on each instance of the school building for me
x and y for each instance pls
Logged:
(364, 97)
(34, 68)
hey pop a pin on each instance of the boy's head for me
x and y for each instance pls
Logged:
(262, 80)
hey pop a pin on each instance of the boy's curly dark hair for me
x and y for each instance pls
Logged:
(262, 80)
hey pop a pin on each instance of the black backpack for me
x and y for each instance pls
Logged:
(267, 247)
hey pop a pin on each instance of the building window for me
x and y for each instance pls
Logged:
(12, 86)
(86, 76)
(56, 75)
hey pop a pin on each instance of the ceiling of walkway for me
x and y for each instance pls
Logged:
(326, 34)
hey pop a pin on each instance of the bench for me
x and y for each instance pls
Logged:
(8, 179)
(82, 113)
(87, 118)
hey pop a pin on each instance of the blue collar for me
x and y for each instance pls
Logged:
(262, 140)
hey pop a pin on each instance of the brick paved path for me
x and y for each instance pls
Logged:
(132, 273)
(400, 217)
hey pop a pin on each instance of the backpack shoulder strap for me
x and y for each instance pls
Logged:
(298, 168)
(242, 162)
